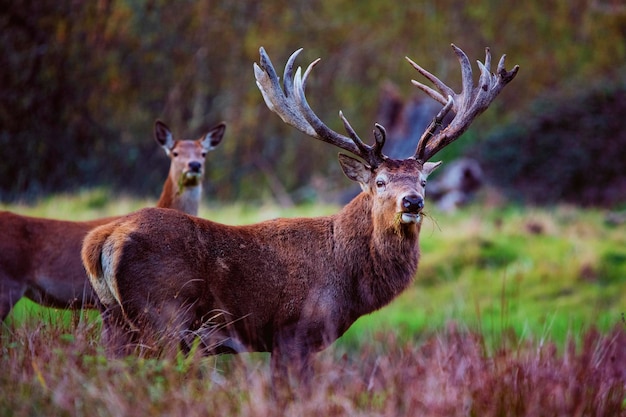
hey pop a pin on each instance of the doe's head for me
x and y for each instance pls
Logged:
(187, 156)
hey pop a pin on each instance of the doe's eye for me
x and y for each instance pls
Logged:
(423, 183)
(203, 154)
(174, 154)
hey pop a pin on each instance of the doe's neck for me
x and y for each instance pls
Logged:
(179, 197)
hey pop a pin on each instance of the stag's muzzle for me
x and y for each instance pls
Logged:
(412, 206)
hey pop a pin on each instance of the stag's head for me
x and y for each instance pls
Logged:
(188, 156)
(396, 186)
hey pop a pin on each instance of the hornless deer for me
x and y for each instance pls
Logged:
(286, 286)
(40, 258)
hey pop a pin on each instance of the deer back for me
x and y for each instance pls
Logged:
(40, 258)
(36, 261)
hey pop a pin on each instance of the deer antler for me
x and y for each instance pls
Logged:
(466, 105)
(291, 105)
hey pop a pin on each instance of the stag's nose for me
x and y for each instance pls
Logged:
(195, 166)
(413, 203)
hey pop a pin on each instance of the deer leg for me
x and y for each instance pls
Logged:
(291, 362)
(166, 328)
(10, 293)
(118, 338)
(291, 376)
(213, 332)
(217, 342)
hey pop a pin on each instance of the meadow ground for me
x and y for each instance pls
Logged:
(514, 311)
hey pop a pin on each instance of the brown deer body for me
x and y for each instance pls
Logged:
(40, 258)
(286, 286)
(283, 283)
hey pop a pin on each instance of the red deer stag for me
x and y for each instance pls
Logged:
(40, 258)
(286, 286)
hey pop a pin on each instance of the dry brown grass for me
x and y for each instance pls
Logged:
(52, 371)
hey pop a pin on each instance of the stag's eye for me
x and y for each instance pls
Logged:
(380, 184)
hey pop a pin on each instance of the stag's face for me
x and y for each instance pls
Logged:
(396, 186)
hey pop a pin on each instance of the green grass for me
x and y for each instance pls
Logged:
(501, 320)
(536, 271)
(84, 205)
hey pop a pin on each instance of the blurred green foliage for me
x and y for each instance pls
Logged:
(83, 82)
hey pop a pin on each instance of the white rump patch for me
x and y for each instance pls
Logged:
(106, 287)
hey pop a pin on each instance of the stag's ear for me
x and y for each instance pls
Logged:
(355, 170)
(213, 137)
(163, 136)
(429, 167)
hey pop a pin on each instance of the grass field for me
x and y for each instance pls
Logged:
(514, 311)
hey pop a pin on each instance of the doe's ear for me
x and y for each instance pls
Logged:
(163, 136)
(213, 137)
(429, 167)
(355, 170)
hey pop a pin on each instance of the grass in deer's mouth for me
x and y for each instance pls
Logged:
(399, 218)
(427, 215)
(189, 179)
(402, 217)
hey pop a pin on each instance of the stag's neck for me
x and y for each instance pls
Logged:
(382, 258)
(181, 198)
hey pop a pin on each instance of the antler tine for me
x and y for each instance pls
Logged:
(430, 130)
(467, 105)
(445, 90)
(281, 103)
(288, 73)
(323, 132)
(292, 107)
(380, 135)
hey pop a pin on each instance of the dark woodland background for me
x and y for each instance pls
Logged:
(82, 83)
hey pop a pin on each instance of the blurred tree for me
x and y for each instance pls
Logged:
(569, 147)
(83, 82)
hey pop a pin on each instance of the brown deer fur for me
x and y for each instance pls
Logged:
(286, 286)
(40, 258)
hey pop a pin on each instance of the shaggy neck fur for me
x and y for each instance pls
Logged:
(384, 261)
